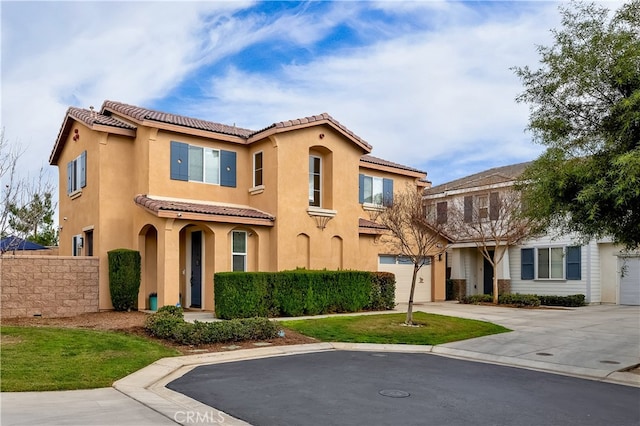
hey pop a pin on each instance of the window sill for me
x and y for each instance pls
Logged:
(317, 211)
(373, 207)
(75, 194)
(256, 190)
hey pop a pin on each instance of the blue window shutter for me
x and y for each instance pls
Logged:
(69, 177)
(387, 192)
(179, 161)
(361, 188)
(527, 270)
(228, 168)
(83, 169)
(574, 262)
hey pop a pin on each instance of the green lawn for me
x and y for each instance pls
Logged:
(388, 328)
(43, 358)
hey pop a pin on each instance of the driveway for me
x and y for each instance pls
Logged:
(590, 342)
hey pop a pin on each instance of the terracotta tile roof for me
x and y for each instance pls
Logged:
(93, 117)
(368, 224)
(380, 162)
(202, 208)
(312, 119)
(142, 114)
(89, 118)
(492, 176)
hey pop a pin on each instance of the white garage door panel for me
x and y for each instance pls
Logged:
(404, 273)
(630, 282)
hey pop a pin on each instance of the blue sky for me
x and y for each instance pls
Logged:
(427, 83)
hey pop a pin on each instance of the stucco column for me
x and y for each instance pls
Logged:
(168, 265)
(504, 273)
(438, 278)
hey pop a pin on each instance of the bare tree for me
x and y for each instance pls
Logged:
(11, 184)
(493, 221)
(412, 234)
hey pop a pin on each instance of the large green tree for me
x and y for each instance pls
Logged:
(585, 108)
(34, 220)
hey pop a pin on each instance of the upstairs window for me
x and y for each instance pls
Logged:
(204, 165)
(199, 164)
(375, 191)
(481, 208)
(257, 169)
(315, 179)
(77, 173)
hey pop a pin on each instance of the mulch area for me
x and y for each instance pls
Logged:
(133, 323)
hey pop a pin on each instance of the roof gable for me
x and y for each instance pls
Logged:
(494, 176)
(92, 120)
(313, 120)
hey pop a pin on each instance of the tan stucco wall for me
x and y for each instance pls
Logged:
(120, 167)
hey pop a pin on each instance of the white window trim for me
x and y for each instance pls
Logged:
(372, 205)
(204, 165)
(244, 254)
(254, 170)
(320, 189)
(77, 242)
(564, 266)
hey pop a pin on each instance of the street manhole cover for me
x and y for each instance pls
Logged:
(606, 361)
(394, 393)
(544, 354)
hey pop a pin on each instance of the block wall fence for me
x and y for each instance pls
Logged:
(48, 286)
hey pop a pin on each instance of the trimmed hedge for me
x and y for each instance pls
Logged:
(522, 300)
(571, 301)
(124, 278)
(169, 324)
(301, 292)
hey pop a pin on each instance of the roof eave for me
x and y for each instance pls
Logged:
(272, 130)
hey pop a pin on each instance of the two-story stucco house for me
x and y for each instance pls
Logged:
(551, 264)
(197, 197)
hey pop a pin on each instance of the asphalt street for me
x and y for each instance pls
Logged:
(382, 388)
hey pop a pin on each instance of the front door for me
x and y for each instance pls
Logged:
(196, 269)
(488, 275)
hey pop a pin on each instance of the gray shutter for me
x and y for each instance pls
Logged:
(468, 209)
(574, 262)
(387, 192)
(527, 266)
(69, 177)
(179, 161)
(361, 188)
(441, 212)
(83, 169)
(494, 206)
(228, 168)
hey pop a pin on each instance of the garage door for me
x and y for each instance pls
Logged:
(629, 280)
(402, 267)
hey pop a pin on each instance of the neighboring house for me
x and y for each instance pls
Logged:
(546, 265)
(197, 197)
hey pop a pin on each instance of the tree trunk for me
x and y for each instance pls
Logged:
(495, 285)
(409, 319)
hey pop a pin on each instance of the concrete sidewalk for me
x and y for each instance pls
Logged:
(593, 342)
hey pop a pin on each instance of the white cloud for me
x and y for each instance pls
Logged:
(434, 88)
(420, 99)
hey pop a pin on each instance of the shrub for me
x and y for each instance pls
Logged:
(573, 300)
(300, 292)
(167, 325)
(519, 300)
(163, 324)
(475, 299)
(124, 278)
(383, 291)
